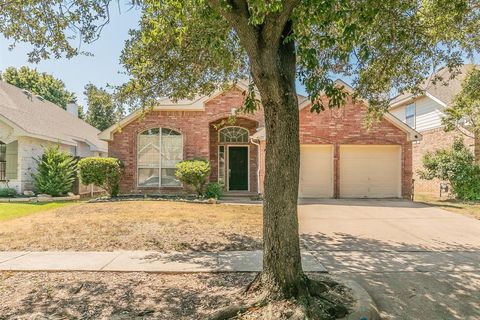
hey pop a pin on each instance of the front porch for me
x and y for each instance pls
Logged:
(233, 158)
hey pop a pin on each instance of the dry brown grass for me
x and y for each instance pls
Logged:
(467, 208)
(136, 225)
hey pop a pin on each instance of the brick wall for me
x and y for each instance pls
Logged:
(195, 127)
(346, 126)
(432, 140)
(201, 138)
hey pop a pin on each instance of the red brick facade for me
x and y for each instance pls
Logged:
(200, 138)
(346, 126)
(433, 139)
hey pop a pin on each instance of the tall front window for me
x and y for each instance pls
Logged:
(410, 115)
(158, 152)
(3, 161)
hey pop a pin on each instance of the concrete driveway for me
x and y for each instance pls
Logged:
(417, 262)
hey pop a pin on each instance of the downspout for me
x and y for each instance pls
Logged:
(252, 140)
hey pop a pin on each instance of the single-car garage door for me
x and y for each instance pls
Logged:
(372, 171)
(316, 171)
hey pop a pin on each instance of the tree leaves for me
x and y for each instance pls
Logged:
(42, 84)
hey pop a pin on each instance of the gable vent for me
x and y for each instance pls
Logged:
(27, 93)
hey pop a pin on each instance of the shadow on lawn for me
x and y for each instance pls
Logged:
(119, 295)
(406, 281)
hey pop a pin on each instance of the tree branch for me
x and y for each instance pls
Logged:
(238, 16)
(275, 23)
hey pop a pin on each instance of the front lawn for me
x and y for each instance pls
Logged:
(137, 225)
(15, 210)
(468, 208)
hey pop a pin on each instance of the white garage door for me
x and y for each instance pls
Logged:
(316, 171)
(370, 171)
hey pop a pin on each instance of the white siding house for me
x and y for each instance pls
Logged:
(28, 124)
(428, 113)
(424, 113)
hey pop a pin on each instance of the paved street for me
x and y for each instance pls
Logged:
(417, 262)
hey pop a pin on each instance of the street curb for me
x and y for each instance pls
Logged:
(365, 308)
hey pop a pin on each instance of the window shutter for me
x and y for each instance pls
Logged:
(12, 161)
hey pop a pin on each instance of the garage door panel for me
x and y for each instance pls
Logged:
(370, 171)
(316, 171)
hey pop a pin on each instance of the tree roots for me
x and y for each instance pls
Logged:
(311, 300)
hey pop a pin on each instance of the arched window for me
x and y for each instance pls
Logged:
(233, 135)
(158, 151)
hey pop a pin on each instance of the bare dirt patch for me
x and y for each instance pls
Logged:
(137, 225)
(95, 295)
(82, 295)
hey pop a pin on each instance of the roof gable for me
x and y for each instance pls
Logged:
(35, 117)
(439, 92)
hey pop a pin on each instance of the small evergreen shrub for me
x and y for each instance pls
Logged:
(102, 172)
(214, 190)
(193, 173)
(7, 193)
(457, 166)
(56, 171)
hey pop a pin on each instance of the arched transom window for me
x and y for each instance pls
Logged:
(233, 135)
(158, 152)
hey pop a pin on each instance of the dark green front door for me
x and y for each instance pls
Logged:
(238, 168)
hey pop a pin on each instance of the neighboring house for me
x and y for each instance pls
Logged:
(424, 113)
(28, 123)
(339, 157)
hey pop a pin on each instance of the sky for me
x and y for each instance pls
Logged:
(101, 69)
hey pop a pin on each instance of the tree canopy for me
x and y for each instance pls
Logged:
(383, 46)
(464, 114)
(42, 84)
(101, 112)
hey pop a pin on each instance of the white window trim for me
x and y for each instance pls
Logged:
(159, 160)
(414, 114)
(227, 142)
(5, 162)
(219, 166)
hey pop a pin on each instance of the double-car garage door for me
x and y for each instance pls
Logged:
(364, 171)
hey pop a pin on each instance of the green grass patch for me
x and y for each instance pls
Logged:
(16, 210)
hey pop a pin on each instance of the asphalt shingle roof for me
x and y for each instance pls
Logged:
(41, 118)
(445, 93)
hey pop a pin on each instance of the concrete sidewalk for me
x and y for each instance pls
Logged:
(143, 261)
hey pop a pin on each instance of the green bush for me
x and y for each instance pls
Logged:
(56, 171)
(193, 173)
(457, 166)
(8, 193)
(214, 190)
(102, 172)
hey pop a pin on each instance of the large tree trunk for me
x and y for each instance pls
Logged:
(282, 269)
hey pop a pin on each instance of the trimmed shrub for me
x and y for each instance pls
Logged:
(8, 193)
(214, 190)
(56, 171)
(102, 172)
(193, 173)
(457, 166)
